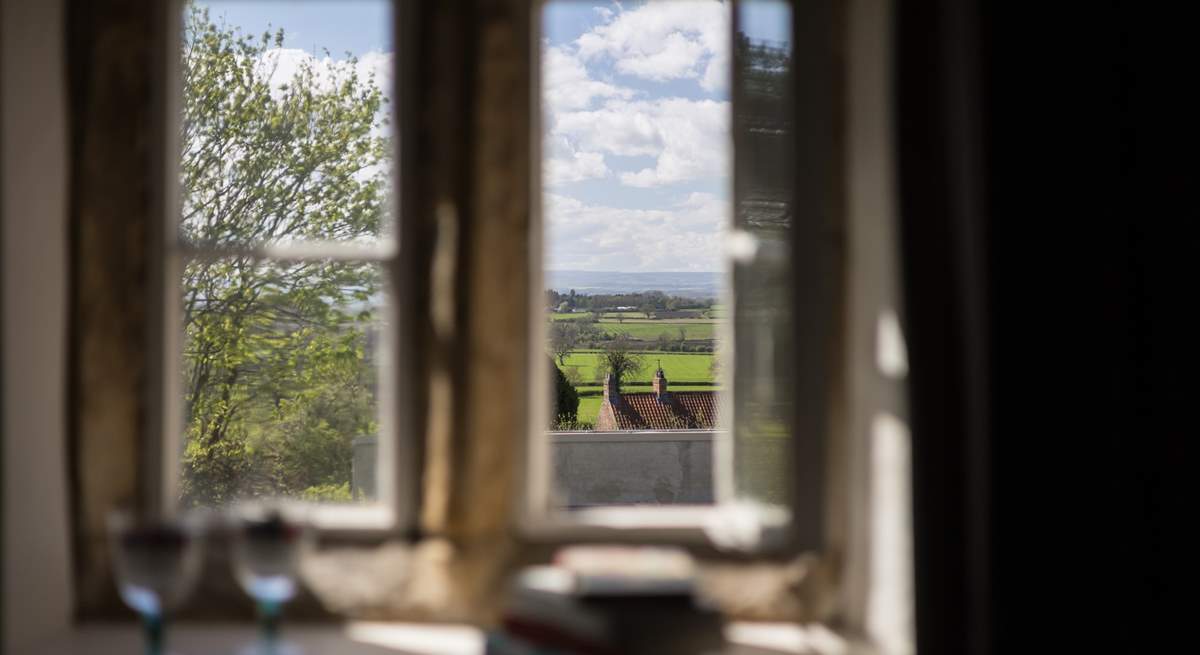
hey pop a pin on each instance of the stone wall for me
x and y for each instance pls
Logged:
(596, 468)
(604, 468)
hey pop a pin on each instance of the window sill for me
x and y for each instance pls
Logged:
(732, 528)
(361, 638)
(205, 638)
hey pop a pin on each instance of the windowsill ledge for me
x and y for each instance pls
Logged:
(362, 638)
(222, 638)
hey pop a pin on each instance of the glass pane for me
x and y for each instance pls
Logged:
(286, 129)
(281, 370)
(636, 154)
(762, 264)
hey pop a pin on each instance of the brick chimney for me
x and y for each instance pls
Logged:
(660, 383)
(612, 389)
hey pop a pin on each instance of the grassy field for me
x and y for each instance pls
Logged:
(589, 407)
(574, 316)
(649, 330)
(628, 317)
(685, 367)
(657, 321)
(678, 367)
(637, 326)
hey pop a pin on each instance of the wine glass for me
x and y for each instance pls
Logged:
(268, 546)
(156, 561)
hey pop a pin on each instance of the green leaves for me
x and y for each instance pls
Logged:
(278, 367)
(277, 146)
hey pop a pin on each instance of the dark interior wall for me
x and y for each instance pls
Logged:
(1041, 194)
(3, 369)
(110, 229)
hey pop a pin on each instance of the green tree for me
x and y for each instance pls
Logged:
(562, 339)
(587, 332)
(566, 336)
(277, 364)
(566, 401)
(619, 358)
(664, 340)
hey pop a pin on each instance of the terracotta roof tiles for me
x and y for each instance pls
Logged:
(676, 410)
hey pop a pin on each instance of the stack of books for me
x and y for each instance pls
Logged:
(608, 601)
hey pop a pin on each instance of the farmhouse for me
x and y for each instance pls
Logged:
(656, 410)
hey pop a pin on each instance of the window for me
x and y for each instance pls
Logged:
(283, 265)
(468, 374)
(670, 218)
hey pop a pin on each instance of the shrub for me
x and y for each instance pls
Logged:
(566, 399)
(328, 493)
(572, 426)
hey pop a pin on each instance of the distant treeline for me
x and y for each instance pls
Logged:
(605, 302)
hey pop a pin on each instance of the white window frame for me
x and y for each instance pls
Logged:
(399, 453)
(725, 527)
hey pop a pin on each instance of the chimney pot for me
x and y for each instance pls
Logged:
(660, 383)
(612, 389)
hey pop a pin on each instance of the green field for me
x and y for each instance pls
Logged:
(637, 326)
(680, 367)
(627, 317)
(574, 316)
(649, 330)
(685, 367)
(589, 407)
(657, 321)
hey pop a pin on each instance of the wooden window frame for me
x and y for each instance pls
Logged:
(400, 453)
(467, 196)
(817, 292)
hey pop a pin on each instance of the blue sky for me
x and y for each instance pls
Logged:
(636, 144)
(355, 26)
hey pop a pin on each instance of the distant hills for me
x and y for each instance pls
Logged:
(686, 285)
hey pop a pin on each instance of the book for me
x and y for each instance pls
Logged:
(609, 601)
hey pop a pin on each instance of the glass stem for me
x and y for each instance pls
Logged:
(152, 624)
(268, 612)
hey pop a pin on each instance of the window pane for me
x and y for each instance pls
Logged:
(636, 153)
(763, 387)
(281, 369)
(285, 132)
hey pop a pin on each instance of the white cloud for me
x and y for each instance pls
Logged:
(594, 117)
(587, 118)
(564, 163)
(686, 237)
(284, 63)
(687, 138)
(716, 73)
(676, 57)
(567, 86)
(664, 41)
